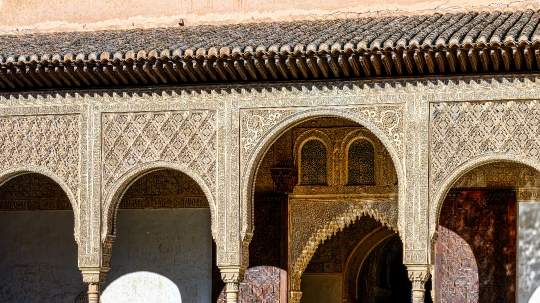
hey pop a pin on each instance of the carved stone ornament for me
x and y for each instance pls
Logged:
(314, 221)
(435, 129)
(466, 135)
(285, 178)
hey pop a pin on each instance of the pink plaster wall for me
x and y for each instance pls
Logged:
(67, 15)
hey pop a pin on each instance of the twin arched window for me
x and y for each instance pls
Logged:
(360, 159)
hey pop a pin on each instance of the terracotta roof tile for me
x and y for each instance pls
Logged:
(368, 33)
(475, 41)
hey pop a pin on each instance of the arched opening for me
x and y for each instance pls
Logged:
(38, 252)
(163, 250)
(492, 210)
(290, 207)
(361, 263)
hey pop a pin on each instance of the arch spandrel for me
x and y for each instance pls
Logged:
(260, 128)
(466, 135)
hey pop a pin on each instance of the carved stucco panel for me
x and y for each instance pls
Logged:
(184, 137)
(463, 133)
(313, 221)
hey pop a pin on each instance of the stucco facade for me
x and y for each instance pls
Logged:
(409, 117)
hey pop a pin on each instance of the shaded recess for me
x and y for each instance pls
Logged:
(38, 252)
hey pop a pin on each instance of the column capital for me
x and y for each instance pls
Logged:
(419, 274)
(94, 275)
(232, 276)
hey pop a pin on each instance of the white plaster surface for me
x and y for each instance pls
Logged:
(38, 257)
(321, 288)
(160, 255)
(528, 252)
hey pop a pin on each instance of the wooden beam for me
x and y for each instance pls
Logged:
(272, 67)
(355, 64)
(528, 53)
(199, 69)
(430, 61)
(188, 68)
(312, 64)
(377, 64)
(398, 62)
(518, 57)
(409, 61)
(334, 65)
(221, 70)
(495, 58)
(177, 68)
(473, 59)
(420, 61)
(261, 67)
(128, 68)
(59, 70)
(462, 58)
(251, 68)
(364, 62)
(386, 59)
(209, 68)
(323, 66)
(291, 64)
(302, 66)
(282, 67)
(343, 62)
(241, 69)
(157, 68)
(118, 70)
(6, 79)
(229, 66)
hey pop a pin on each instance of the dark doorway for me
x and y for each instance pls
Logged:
(383, 278)
(475, 254)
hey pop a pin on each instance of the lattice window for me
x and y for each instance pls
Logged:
(313, 163)
(361, 160)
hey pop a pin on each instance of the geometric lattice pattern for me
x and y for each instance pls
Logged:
(187, 138)
(313, 162)
(361, 161)
(50, 141)
(463, 130)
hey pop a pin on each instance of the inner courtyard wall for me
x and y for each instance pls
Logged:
(32, 16)
(160, 255)
(38, 257)
(244, 119)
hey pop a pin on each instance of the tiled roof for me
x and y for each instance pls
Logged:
(485, 41)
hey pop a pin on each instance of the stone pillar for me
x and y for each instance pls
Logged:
(295, 296)
(94, 278)
(419, 274)
(232, 276)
